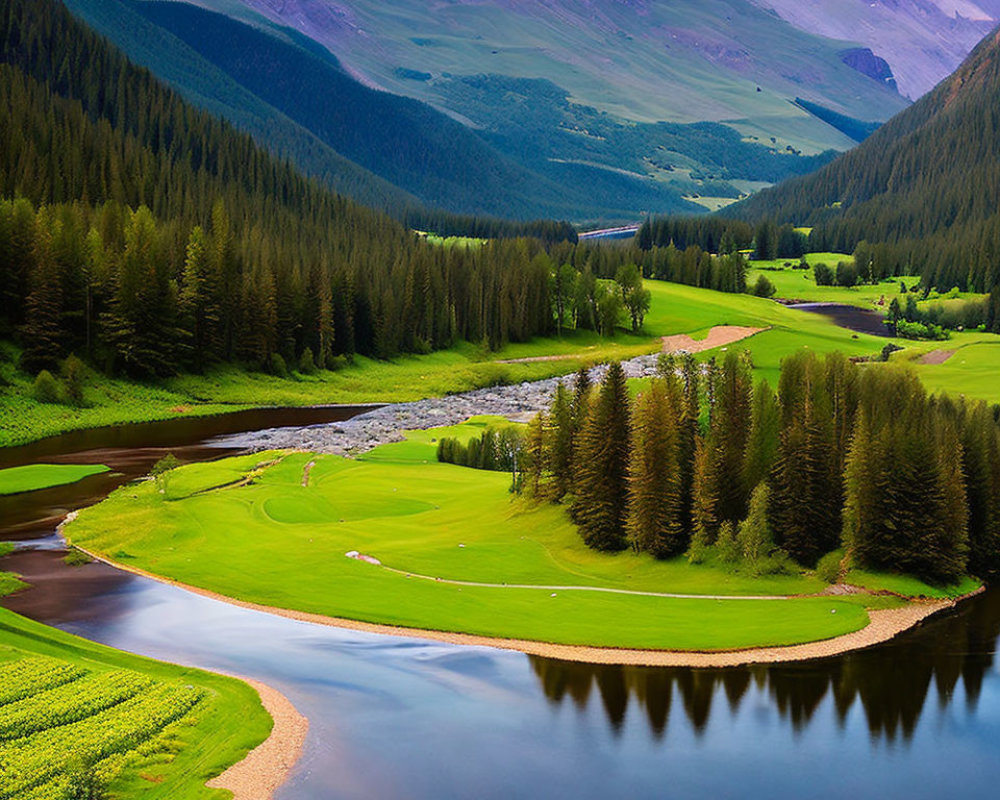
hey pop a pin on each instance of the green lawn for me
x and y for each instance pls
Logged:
(44, 476)
(798, 284)
(155, 730)
(278, 543)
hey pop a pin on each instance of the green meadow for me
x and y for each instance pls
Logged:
(43, 476)
(438, 530)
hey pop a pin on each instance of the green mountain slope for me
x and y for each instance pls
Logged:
(211, 89)
(925, 188)
(294, 97)
(530, 143)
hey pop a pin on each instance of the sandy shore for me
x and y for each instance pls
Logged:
(266, 767)
(884, 624)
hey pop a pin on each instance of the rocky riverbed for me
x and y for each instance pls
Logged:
(386, 424)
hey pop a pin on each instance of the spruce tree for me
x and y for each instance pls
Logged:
(602, 466)
(559, 443)
(654, 500)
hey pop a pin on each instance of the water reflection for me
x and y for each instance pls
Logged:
(892, 683)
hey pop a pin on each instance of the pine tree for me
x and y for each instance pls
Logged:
(754, 535)
(704, 511)
(535, 454)
(602, 466)
(654, 521)
(729, 433)
(42, 330)
(559, 444)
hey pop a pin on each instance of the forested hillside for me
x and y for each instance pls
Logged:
(924, 190)
(149, 237)
(383, 149)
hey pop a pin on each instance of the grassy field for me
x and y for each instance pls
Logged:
(432, 525)
(799, 284)
(42, 476)
(152, 730)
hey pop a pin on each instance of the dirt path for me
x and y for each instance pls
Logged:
(266, 767)
(719, 336)
(884, 624)
(937, 356)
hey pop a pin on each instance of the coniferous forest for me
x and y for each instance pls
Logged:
(704, 461)
(149, 237)
(920, 195)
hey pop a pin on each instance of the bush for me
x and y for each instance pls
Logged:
(888, 350)
(847, 274)
(727, 546)
(277, 366)
(45, 388)
(73, 375)
(85, 785)
(307, 365)
(828, 568)
(161, 471)
(763, 287)
(823, 275)
(700, 547)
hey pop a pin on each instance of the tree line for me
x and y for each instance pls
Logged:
(707, 463)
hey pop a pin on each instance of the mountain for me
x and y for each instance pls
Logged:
(148, 236)
(599, 109)
(924, 189)
(385, 150)
(919, 41)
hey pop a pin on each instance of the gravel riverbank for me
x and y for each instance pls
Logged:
(386, 424)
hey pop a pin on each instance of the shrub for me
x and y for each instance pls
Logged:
(277, 366)
(161, 471)
(45, 388)
(73, 375)
(823, 275)
(85, 785)
(847, 274)
(307, 365)
(700, 546)
(763, 287)
(727, 546)
(828, 568)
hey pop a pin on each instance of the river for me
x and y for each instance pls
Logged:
(394, 717)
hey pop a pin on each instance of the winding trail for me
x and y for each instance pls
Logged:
(607, 590)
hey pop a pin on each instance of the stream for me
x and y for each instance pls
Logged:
(396, 717)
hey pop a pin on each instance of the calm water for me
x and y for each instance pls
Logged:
(394, 717)
(861, 320)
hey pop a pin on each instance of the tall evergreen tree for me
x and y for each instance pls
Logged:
(602, 459)
(655, 524)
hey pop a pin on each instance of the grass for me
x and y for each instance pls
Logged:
(907, 585)
(178, 747)
(799, 284)
(278, 543)
(43, 476)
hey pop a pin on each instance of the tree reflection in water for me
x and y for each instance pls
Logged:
(892, 681)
